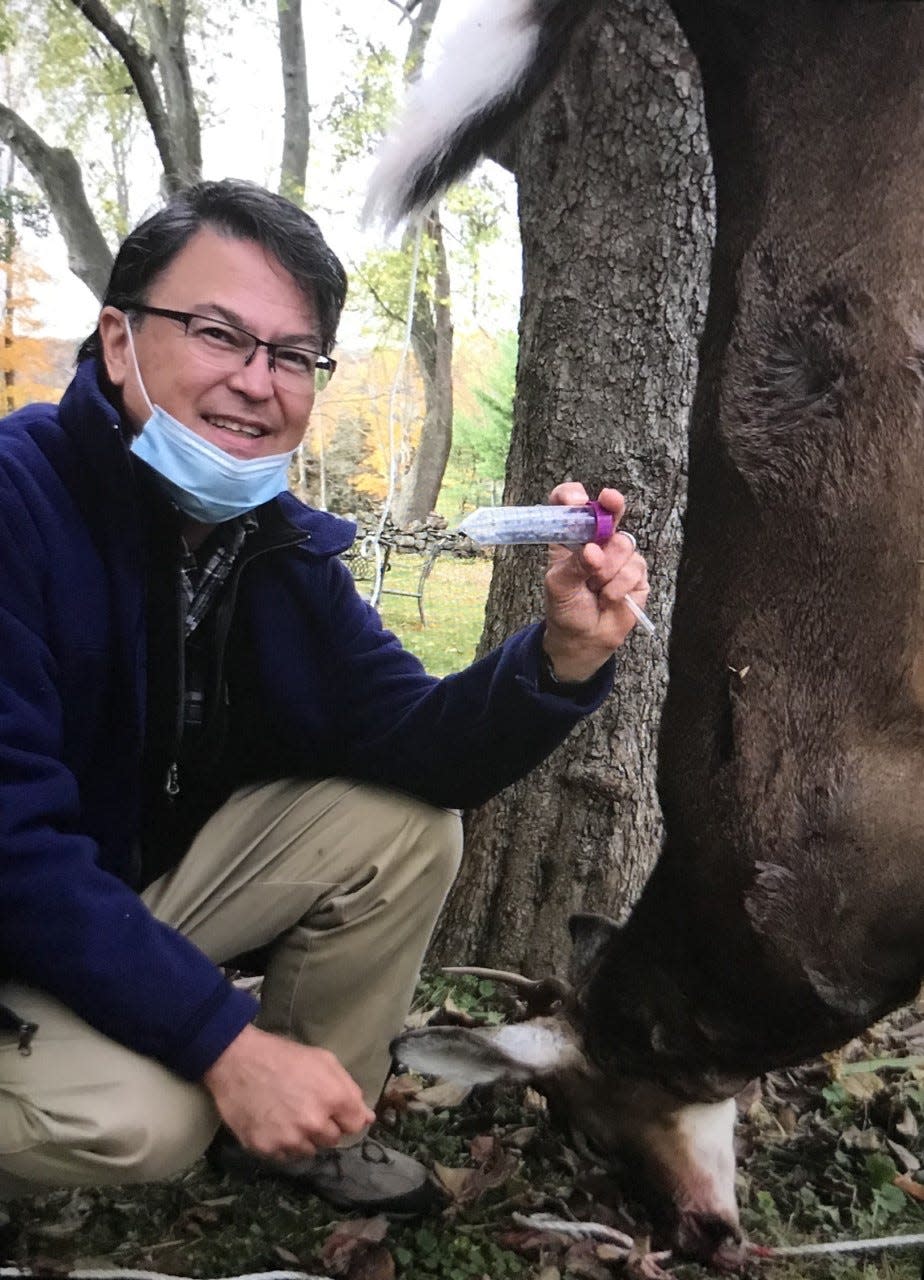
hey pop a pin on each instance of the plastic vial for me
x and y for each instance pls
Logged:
(506, 526)
(509, 526)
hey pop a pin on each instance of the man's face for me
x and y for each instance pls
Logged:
(242, 410)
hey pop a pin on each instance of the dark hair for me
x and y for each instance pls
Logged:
(242, 210)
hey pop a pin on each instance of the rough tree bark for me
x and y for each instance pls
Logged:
(296, 110)
(616, 219)
(431, 332)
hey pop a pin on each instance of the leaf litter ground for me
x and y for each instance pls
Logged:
(829, 1151)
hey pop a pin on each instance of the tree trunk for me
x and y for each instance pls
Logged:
(431, 336)
(167, 29)
(172, 114)
(616, 218)
(431, 333)
(9, 250)
(297, 115)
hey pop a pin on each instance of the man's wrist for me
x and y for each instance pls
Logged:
(558, 676)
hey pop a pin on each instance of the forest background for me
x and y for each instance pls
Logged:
(106, 107)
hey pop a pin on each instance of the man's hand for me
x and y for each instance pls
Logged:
(587, 618)
(283, 1100)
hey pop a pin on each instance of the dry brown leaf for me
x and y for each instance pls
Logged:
(371, 1262)
(482, 1147)
(909, 1186)
(862, 1086)
(456, 1181)
(582, 1260)
(342, 1251)
(398, 1092)
(447, 1093)
(372, 1229)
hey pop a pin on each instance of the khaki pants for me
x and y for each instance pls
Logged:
(346, 879)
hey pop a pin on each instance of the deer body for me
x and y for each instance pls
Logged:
(786, 911)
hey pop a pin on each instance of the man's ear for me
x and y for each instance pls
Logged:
(117, 357)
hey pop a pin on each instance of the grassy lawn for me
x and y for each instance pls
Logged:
(454, 599)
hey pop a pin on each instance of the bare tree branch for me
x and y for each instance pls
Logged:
(58, 174)
(139, 63)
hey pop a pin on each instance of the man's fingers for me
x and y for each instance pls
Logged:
(569, 494)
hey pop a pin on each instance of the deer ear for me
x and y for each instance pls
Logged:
(591, 934)
(520, 1052)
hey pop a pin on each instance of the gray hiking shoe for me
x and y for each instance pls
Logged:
(367, 1177)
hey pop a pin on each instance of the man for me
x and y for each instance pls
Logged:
(210, 746)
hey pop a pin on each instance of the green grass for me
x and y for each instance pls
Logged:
(454, 599)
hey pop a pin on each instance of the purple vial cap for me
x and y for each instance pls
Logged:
(604, 522)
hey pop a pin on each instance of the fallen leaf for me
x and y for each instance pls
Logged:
(907, 1184)
(342, 1250)
(482, 1147)
(287, 1256)
(907, 1159)
(371, 1262)
(446, 1093)
(908, 1125)
(582, 1260)
(862, 1085)
(522, 1137)
(457, 1182)
(373, 1229)
(861, 1139)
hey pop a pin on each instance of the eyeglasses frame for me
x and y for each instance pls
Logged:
(183, 317)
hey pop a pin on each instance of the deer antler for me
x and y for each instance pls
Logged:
(539, 994)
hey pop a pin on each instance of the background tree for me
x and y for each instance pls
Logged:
(141, 50)
(616, 218)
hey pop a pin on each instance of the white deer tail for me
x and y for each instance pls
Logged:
(495, 64)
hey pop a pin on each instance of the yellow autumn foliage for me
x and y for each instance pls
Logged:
(26, 367)
(389, 413)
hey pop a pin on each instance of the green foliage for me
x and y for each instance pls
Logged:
(474, 996)
(382, 281)
(481, 432)
(439, 1253)
(23, 209)
(9, 26)
(360, 114)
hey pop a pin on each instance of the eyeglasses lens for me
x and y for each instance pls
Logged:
(225, 347)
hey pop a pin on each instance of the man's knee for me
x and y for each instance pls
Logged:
(129, 1135)
(160, 1141)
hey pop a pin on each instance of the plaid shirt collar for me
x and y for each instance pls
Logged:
(202, 582)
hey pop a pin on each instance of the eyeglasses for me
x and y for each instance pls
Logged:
(227, 346)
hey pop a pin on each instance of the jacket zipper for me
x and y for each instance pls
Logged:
(25, 1031)
(172, 780)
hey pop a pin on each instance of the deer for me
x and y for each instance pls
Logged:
(785, 912)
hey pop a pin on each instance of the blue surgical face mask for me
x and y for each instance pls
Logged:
(205, 482)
